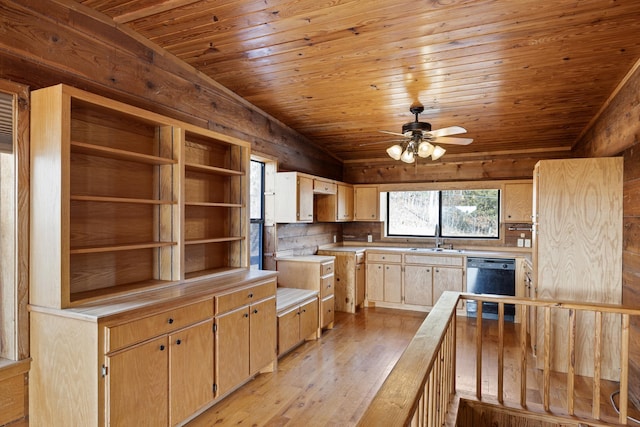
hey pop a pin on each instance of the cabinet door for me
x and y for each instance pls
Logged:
(138, 385)
(232, 349)
(345, 202)
(446, 279)
(360, 284)
(191, 370)
(518, 198)
(367, 205)
(393, 283)
(308, 319)
(305, 199)
(289, 329)
(418, 285)
(263, 333)
(375, 282)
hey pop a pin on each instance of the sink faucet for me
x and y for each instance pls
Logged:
(437, 233)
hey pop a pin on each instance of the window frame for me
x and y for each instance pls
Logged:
(440, 234)
(259, 221)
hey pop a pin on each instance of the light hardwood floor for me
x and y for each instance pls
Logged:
(330, 382)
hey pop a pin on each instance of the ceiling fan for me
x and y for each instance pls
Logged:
(419, 139)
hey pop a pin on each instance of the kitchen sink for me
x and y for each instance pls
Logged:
(442, 250)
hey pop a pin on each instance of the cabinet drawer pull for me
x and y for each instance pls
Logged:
(251, 295)
(162, 348)
(178, 342)
(170, 320)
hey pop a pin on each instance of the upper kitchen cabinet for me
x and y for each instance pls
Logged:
(294, 197)
(103, 198)
(215, 202)
(336, 207)
(366, 203)
(517, 200)
(577, 254)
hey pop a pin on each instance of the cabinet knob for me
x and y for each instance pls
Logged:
(246, 315)
(251, 295)
(162, 348)
(178, 342)
(255, 311)
(170, 321)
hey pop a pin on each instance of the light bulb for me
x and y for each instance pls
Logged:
(425, 149)
(407, 156)
(437, 152)
(395, 151)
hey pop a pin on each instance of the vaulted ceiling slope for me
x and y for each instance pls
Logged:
(521, 76)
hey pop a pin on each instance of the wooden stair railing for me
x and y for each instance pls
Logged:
(419, 389)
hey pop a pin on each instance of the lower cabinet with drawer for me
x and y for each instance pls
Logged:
(245, 335)
(152, 358)
(312, 272)
(411, 281)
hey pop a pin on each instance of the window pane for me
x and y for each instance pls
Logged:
(255, 192)
(413, 213)
(470, 213)
(255, 246)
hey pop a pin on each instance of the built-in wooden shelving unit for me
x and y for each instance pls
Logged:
(124, 199)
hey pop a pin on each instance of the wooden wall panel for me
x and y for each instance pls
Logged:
(65, 45)
(304, 239)
(615, 132)
(392, 171)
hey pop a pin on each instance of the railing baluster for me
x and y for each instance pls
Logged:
(454, 339)
(547, 358)
(523, 355)
(624, 369)
(571, 369)
(501, 352)
(479, 350)
(597, 365)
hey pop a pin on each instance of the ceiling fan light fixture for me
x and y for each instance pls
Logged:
(395, 151)
(407, 156)
(425, 149)
(438, 152)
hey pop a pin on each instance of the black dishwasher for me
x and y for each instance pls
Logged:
(491, 276)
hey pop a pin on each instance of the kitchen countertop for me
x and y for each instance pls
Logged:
(426, 250)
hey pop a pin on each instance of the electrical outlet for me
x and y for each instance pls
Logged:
(335, 239)
(369, 238)
(520, 243)
(527, 243)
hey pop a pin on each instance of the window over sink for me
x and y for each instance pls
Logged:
(468, 213)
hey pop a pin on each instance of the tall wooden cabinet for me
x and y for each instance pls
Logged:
(349, 277)
(577, 252)
(138, 232)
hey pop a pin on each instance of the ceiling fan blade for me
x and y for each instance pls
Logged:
(451, 130)
(391, 133)
(387, 141)
(454, 141)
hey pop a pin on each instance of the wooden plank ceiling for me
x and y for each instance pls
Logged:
(522, 76)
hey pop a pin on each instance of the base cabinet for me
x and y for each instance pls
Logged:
(315, 273)
(153, 358)
(297, 323)
(172, 377)
(245, 339)
(412, 281)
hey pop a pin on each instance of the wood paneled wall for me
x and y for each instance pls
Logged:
(616, 131)
(49, 42)
(451, 168)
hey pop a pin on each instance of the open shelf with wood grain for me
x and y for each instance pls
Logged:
(215, 204)
(103, 197)
(125, 200)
